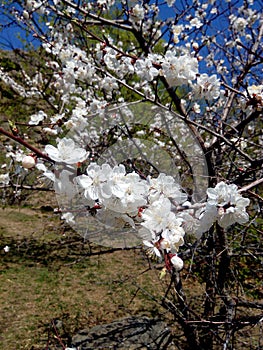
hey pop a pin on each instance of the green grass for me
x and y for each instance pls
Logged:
(48, 275)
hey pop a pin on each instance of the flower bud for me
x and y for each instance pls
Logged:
(6, 249)
(195, 46)
(177, 262)
(25, 14)
(28, 162)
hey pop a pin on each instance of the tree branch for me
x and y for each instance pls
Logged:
(26, 144)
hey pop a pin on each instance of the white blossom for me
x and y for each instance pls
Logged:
(107, 3)
(179, 70)
(68, 217)
(167, 186)
(207, 87)
(170, 2)
(67, 152)
(206, 219)
(176, 30)
(195, 22)
(152, 250)
(87, 79)
(4, 179)
(172, 235)
(131, 194)
(255, 90)
(46, 172)
(157, 215)
(94, 183)
(225, 204)
(145, 70)
(35, 119)
(238, 23)
(138, 12)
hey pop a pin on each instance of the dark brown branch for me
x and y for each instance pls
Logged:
(26, 144)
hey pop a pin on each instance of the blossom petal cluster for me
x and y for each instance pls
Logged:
(155, 207)
(179, 70)
(207, 87)
(120, 198)
(224, 205)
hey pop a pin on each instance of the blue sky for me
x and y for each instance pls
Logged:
(9, 36)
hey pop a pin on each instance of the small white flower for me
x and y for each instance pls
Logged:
(206, 219)
(145, 70)
(35, 119)
(156, 215)
(25, 14)
(131, 195)
(195, 22)
(176, 30)
(255, 90)
(195, 46)
(221, 194)
(66, 152)
(47, 173)
(49, 131)
(69, 218)
(167, 186)
(4, 179)
(196, 108)
(95, 182)
(239, 24)
(173, 234)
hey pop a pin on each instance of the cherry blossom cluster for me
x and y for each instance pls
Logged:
(156, 207)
